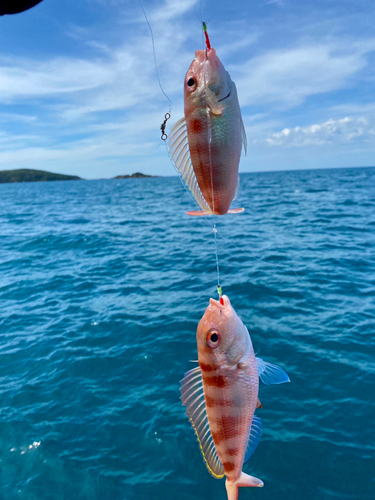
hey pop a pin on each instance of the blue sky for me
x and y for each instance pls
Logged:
(79, 94)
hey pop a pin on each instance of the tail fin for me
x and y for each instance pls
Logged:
(202, 213)
(243, 480)
(235, 210)
(199, 213)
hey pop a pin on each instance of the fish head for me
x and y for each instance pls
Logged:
(207, 83)
(221, 335)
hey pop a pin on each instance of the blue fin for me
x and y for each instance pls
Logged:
(255, 435)
(271, 374)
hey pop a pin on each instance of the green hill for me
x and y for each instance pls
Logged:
(28, 175)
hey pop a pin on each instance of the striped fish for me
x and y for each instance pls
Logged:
(205, 145)
(221, 395)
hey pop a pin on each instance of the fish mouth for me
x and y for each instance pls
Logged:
(226, 97)
(217, 303)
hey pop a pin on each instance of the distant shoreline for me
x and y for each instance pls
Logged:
(137, 175)
(29, 175)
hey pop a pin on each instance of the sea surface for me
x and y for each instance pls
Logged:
(102, 285)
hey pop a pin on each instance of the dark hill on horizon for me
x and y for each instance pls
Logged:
(137, 175)
(29, 175)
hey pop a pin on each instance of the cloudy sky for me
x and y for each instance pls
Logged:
(79, 93)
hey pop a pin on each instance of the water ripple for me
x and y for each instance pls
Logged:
(102, 286)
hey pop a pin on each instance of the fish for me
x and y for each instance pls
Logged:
(205, 145)
(221, 394)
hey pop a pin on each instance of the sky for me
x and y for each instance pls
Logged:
(79, 93)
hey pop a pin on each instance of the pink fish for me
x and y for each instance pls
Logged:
(221, 395)
(205, 146)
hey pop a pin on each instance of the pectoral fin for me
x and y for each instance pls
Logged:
(192, 397)
(178, 146)
(271, 374)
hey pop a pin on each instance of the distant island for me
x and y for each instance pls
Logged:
(28, 175)
(137, 175)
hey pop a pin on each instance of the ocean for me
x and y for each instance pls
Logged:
(102, 285)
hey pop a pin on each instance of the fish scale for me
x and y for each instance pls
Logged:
(229, 414)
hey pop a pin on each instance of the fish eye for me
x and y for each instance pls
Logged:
(191, 83)
(213, 339)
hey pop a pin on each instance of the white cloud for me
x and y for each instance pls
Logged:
(95, 112)
(344, 130)
(171, 9)
(16, 117)
(23, 79)
(289, 76)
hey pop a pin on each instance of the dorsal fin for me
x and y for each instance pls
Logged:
(255, 435)
(192, 397)
(178, 146)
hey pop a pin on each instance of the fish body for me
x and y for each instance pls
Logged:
(221, 395)
(206, 144)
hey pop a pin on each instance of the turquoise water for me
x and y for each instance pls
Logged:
(102, 284)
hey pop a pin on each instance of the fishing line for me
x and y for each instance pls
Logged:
(228, 241)
(206, 41)
(202, 16)
(156, 66)
(299, 278)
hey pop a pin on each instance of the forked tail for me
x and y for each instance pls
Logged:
(243, 480)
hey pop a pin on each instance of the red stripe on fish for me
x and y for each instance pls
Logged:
(196, 126)
(207, 368)
(218, 437)
(214, 401)
(228, 466)
(217, 381)
(210, 402)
